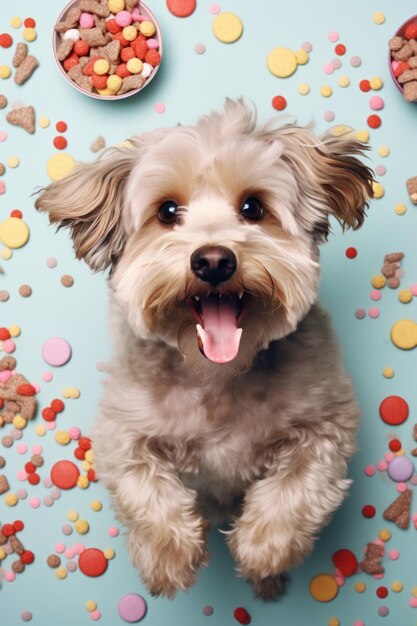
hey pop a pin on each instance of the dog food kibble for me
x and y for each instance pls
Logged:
(131, 607)
(86, 32)
(323, 587)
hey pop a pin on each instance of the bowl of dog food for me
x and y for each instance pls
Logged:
(402, 59)
(107, 49)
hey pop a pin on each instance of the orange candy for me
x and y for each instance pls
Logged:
(71, 61)
(99, 81)
(153, 57)
(140, 47)
(81, 48)
(127, 53)
(113, 27)
(122, 71)
(123, 42)
(88, 68)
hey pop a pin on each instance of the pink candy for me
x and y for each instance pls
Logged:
(136, 14)
(153, 44)
(86, 20)
(5, 375)
(328, 68)
(123, 18)
(333, 36)
(74, 432)
(9, 346)
(376, 103)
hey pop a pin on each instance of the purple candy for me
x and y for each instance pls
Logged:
(400, 469)
(132, 607)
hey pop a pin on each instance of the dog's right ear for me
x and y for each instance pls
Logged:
(89, 202)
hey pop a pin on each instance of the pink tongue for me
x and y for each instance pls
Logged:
(220, 336)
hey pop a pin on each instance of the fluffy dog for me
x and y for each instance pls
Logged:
(226, 395)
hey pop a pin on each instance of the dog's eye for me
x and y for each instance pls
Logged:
(168, 212)
(251, 209)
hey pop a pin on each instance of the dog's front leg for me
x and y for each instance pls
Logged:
(283, 512)
(166, 538)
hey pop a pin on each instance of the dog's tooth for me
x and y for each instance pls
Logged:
(240, 295)
(197, 298)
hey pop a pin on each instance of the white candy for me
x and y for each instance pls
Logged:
(72, 33)
(146, 70)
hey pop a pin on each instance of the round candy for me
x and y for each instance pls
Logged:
(131, 607)
(393, 410)
(404, 334)
(345, 561)
(86, 20)
(400, 469)
(279, 103)
(123, 18)
(227, 27)
(92, 562)
(64, 474)
(181, 8)
(56, 351)
(282, 62)
(59, 165)
(323, 587)
(14, 232)
(146, 28)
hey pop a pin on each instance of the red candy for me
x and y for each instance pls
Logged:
(48, 414)
(140, 48)
(382, 592)
(57, 405)
(16, 213)
(64, 474)
(393, 410)
(92, 562)
(27, 557)
(60, 142)
(242, 616)
(113, 27)
(394, 445)
(153, 57)
(368, 511)
(26, 390)
(91, 475)
(81, 48)
(84, 443)
(279, 103)
(18, 525)
(79, 454)
(411, 31)
(71, 61)
(400, 68)
(29, 22)
(181, 8)
(4, 334)
(34, 479)
(99, 80)
(123, 42)
(88, 67)
(340, 49)
(345, 561)
(122, 71)
(365, 85)
(30, 468)
(8, 530)
(5, 40)
(128, 53)
(351, 253)
(374, 121)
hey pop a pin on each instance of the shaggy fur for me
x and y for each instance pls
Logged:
(180, 440)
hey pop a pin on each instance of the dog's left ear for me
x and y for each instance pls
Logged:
(330, 174)
(89, 201)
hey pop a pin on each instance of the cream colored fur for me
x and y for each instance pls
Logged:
(180, 441)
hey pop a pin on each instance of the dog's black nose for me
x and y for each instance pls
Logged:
(213, 264)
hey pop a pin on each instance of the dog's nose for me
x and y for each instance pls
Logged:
(213, 264)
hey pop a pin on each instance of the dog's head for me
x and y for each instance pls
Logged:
(212, 231)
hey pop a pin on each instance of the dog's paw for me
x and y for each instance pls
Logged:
(269, 588)
(168, 562)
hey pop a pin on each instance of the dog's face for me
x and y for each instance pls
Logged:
(212, 231)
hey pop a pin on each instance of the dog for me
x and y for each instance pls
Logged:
(226, 398)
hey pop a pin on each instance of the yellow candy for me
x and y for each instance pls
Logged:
(135, 66)
(404, 334)
(6, 254)
(323, 587)
(40, 430)
(383, 151)
(90, 605)
(303, 89)
(101, 67)
(16, 22)
(2, 554)
(82, 526)
(376, 83)
(13, 161)
(29, 34)
(72, 515)
(341, 129)
(282, 62)
(400, 209)
(14, 330)
(147, 28)
(397, 586)
(333, 621)
(96, 505)
(109, 553)
(400, 452)
(62, 437)
(19, 422)
(378, 281)
(414, 592)
(85, 466)
(384, 534)
(360, 587)
(130, 33)
(59, 165)
(83, 482)
(114, 82)
(106, 92)
(71, 392)
(89, 456)
(405, 296)
(14, 232)
(61, 573)
(388, 372)
(362, 135)
(302, 57)
(44, 122)
(116, 5)
(11, 499)
(326, 91)
(343, 81)
(378, 190)
(378, 18)
(5, 71)
(226, 27)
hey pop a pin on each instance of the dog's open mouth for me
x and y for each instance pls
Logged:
(218, 318)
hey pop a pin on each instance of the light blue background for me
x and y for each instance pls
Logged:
(190, 85)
